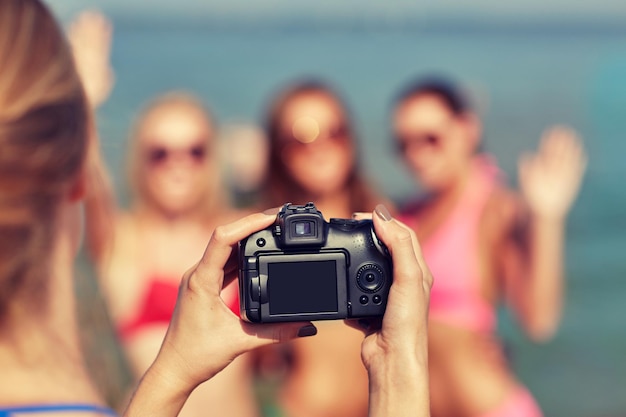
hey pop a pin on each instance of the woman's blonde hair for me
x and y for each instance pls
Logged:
(215, 198)
(43, 140)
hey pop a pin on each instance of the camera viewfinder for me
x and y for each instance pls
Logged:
(303, 228)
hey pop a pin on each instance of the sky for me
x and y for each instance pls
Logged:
(387, 10)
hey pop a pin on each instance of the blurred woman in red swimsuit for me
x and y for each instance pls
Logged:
(484, 243)
(176, 202)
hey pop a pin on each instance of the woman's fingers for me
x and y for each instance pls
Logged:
(417, 249)
(427, 276)
(550, 178)
(220, 247)
(399, 239)
(366, 325)
(231, 269)
(269, 333)
(362, 216)
(562, 146)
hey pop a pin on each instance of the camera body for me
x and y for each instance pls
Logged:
(304, 268)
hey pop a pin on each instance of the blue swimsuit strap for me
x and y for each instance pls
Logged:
(53, 408)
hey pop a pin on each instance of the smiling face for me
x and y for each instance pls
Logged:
(175, 157)
(436, 143)
(317, 148)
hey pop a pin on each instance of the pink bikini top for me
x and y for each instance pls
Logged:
(157, 306)
(452, 255)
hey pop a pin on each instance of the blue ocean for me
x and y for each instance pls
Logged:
(522, 81)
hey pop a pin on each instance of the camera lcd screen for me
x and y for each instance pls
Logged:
(302, 287)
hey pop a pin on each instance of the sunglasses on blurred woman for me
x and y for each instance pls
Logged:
(417, 141)
(307, 131)
(160, 155)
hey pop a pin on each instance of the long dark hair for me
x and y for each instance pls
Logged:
(280, 187)
(446, 90)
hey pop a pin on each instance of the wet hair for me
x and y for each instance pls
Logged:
(44, 131)
(280, 187)
(215, 197)
(445, 90)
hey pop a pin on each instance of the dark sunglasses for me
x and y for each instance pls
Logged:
(423, 140)
(335, 133)
(158, 154)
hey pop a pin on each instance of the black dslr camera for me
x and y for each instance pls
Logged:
(304, 268)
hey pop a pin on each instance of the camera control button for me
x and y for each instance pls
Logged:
(370, 278)
(255, 288)
(250, 262)
(364, 299)
(377, 299)
(254, 315)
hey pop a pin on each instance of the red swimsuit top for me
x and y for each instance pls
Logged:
(451, 253)
(157, 306)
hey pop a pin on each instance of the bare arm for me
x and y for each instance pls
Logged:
(533, 258)
(90, 36)
(533, 250)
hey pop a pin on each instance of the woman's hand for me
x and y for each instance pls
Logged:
(550, 179)
(204, 336)
(532, 253)
(90, 36)
(395, 351)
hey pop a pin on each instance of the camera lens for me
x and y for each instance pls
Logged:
(370, 278)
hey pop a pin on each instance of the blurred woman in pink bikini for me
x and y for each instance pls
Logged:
(484, 244)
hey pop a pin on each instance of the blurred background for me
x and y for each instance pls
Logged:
(527, 64)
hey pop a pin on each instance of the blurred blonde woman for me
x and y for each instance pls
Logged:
(176, 200)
